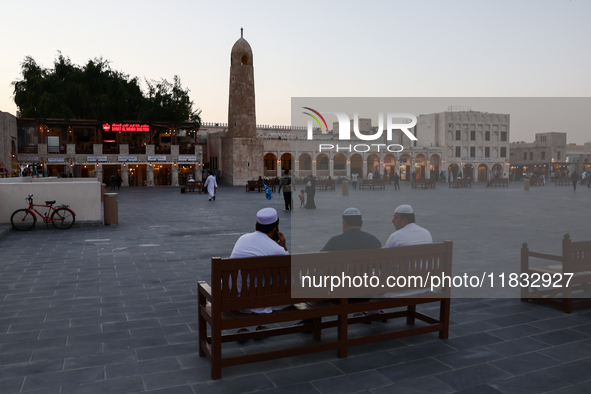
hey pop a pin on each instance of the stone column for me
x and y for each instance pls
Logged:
(125, 174)
(175, 174)
(364, 166)
(331, 165)
(150, 175)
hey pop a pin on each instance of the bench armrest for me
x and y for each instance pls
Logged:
(205, 289)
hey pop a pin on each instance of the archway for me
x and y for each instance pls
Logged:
(453, 169)
(286, 162)
(497, 171)
(468, 171)
(482, 173)
(357, 164)
(339, 165)
(420, 164)
(270, 165)
(434, 167)
(405, 167)
(322, 165)
(373, 163)
(390, 166)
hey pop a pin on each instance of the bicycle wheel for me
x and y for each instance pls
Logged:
(63, 218)
(23, 220)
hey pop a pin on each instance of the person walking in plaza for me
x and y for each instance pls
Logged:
(352, 237)
(396, 181)
(287, 184)
(354, 179)
(370, 176)
(311, 192)
(407, 231)
(112, 180)
(574, 178)
(119, 181)
(211, 186)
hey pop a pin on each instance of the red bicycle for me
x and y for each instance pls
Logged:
(24, 219)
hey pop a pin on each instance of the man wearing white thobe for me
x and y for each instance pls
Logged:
(211, 186)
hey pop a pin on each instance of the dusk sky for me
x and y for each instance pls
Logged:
(322, 49)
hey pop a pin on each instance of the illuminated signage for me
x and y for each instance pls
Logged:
(128, 127)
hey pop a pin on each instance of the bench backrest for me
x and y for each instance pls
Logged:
(269, 280)
(576, 255)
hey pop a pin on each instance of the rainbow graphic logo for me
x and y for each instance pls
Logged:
(315, 118)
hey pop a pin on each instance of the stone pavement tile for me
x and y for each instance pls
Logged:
(427, 385)
(126, 355)
(48, 325)
(517, 346)
(462, 379)
(172, 390)
(48, 380)
(584, 328)
(31, 345)
(12, 385)
(15, 358)
(67, 351)
(140, 343)
(480, 390)
(302, 388)
(352, 383)
(431, 349)
(511, 308)
(474, 327)
(29, 368)
(74, 331)
(167, 351)
(19, 336)
(98, 338)
(413, 369)
(569, 352)
(85, 321)
(582, 388)
(560, 337)
(121, 386)
(474, 340)
(533, 383)
(295, 375)
(127, 325)
(195, 361)
(525, 363)
(514, 332)
(243, 384)
(366, 362)
(468, 357)
(164, 330)
(119, 370)
(557, 323)
(511, 320)
(185, 337)
(477, 306)
(574, 372)
(68, 313)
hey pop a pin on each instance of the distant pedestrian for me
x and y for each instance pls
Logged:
(311, 192)
(574, 177)
(354, 179)
(113, 180)
(287, 183)
(119, 181)
(211, 186)
(396, 181)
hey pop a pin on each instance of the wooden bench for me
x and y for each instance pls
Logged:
(373, 184)
(575, 259)
(460, 183)
(423, 183)
(535, 181)
(254, 185)
(563, 181)
(499, 182)
(326, 185)
(277, 283)
(196, 186)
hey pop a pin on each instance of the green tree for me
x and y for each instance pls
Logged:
(95, 91)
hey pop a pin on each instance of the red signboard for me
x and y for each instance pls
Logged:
(106, 127)
(131, 127)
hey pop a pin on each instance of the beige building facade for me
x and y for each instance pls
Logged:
(8, 144)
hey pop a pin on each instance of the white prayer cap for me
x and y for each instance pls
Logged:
(267, 216)
(405, 208)
(352, 212)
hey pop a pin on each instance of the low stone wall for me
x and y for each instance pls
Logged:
(82, 195)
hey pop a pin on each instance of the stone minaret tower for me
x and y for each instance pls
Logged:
(241, 108)
(242, 152)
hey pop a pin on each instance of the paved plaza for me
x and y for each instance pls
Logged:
(114, 309)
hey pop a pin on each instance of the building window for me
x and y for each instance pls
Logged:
(503, 136)
(472, 151)
(487, 135)
(503, 152)
(473, 135)
(558, 156)
(543, 155)
(458, 151)
(487, 152)
(458, 135)
(531, 155)
(524, 156)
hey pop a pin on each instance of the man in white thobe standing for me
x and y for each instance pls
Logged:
(211, 186)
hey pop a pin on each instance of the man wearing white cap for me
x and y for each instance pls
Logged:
(265, 241)
(352, 237)
(407, 231)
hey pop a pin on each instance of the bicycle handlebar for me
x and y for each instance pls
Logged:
(30, 199)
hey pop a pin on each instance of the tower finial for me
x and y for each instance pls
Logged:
(240, 32)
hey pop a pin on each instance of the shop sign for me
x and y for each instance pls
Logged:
(477, 159)
(188, 158)
(156, 158)
(56, 160)
(28, 158)
(127, 127)
(127, 158)
(96, 158)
